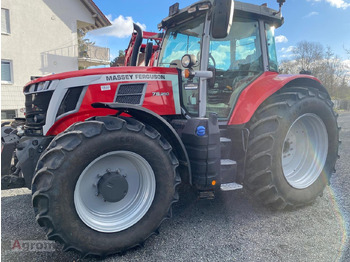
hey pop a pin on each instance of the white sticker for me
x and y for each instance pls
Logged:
(105, 88)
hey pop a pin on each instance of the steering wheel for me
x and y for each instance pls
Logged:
(212, 68)
(213, 60)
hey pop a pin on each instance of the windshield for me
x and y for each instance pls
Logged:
(181, 40)
(236, 61)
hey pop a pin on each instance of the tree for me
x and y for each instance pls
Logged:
(289, 67)
(333, 73)
(308, 53)
(323, 64)
(119, 60)
(307, 57)
(83, 45)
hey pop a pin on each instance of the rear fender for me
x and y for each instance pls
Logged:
(157, 122)
(262, 88)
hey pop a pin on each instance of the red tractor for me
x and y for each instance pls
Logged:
(103, 150)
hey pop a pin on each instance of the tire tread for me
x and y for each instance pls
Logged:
(269, 111)
(53, 158)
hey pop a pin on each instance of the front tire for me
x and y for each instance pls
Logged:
(293, 147)
(105, 185)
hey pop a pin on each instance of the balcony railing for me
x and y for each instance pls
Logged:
(89, 55)
(93, 55)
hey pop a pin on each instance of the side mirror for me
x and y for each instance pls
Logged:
(222, 18)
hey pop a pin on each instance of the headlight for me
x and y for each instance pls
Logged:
(40, 86)
(188, 60)
(31, 88)
(47, 85)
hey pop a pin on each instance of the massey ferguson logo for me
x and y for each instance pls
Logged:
(135, 77)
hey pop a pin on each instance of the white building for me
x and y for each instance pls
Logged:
(39, 37)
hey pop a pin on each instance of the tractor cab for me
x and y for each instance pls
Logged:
(195, 41)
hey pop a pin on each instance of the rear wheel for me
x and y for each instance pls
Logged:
(105, 185)
(293, 147)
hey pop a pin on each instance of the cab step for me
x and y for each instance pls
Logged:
(226, 147)
(230, 186)
(228, 171)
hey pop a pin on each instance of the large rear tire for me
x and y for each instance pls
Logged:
(293, 147)
(105, 185)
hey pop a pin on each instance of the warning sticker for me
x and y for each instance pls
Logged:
(105, 88)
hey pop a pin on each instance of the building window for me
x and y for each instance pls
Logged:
(8, 114)
(6, 72)
(5, 21)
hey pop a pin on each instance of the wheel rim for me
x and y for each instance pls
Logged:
(106, 216)
(304, 151)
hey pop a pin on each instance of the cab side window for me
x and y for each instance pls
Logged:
(237, 61)
(271, 47)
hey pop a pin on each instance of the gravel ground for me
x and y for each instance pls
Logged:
(230, 228)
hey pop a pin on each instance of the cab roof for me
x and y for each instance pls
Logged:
(241, 10)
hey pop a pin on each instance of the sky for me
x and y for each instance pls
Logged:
(323, 21)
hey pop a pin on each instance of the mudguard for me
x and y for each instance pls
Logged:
(157, 122)
(262, 88)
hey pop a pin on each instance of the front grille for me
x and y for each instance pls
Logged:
(130, 94)
(36, 109)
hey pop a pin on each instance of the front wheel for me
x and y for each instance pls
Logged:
(105, 185)
(293, 147)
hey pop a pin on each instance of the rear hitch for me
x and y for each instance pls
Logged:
(10, 170)
(9, 140)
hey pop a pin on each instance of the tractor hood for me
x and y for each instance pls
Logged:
(106, 71)
(55, 102)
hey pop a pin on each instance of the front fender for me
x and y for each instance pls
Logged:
(157, 122)
(263, 87)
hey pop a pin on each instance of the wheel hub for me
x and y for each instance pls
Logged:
(113, 186)
(289, 148)
(99, 192)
